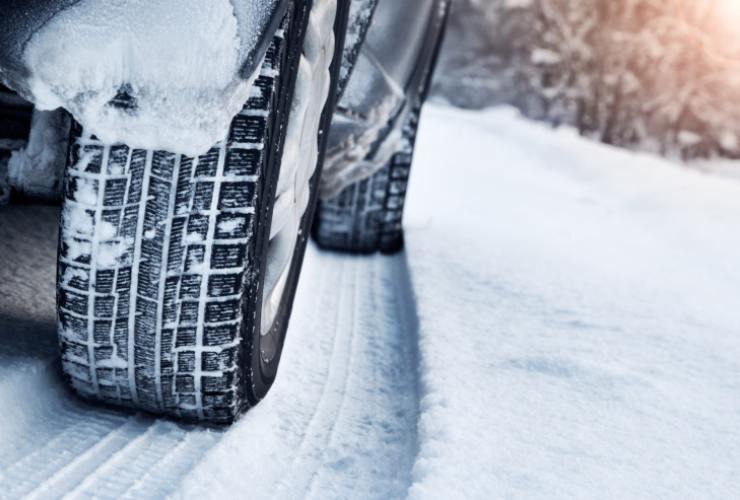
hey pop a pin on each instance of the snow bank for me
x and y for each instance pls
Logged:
(158, 75)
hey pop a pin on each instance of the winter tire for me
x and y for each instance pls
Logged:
(367, 216)
(177, 275)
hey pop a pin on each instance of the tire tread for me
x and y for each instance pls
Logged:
(155, 251)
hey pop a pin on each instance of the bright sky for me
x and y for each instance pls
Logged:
(732, 8)
(728, 28)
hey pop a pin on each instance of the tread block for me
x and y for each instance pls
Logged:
(185, 336)
(228, 256)
(203, 196)
(163, 165)
(185, 383)
(74, 302)
(235, 195)
(185, 362)
(233, 226)
(222, 311)
(243, 162)
(190, 286)
(216, 335)
(207, 164)
(102, 330)
(224, 285)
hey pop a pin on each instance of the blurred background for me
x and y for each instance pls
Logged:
(654, 75)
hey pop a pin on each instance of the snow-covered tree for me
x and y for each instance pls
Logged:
(662, 75)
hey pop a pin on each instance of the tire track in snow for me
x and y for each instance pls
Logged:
(105, 455)
(122, 473)
(361, 440)
(98, 448)
(341, 419)
(321, 424)
(52, 443)
(386, 413)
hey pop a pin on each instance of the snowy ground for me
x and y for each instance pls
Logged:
(563, 324)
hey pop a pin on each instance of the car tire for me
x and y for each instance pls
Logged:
(367, 216)
(165, 261)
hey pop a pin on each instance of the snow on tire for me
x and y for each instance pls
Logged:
(163, 257)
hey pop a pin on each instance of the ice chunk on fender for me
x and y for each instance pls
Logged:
(164, 74)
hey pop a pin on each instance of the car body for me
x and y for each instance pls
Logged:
(377, 81)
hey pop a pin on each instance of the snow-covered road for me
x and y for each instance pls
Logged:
(563, 324)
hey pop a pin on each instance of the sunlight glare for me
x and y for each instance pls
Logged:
(731, 8)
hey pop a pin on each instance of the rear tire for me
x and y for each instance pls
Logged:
(163, 258)
(367, 216)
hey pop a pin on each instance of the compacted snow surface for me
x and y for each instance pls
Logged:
(564, 323)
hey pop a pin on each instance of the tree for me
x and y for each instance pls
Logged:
(662, 75)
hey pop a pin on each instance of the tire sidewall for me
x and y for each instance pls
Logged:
(262, 373)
